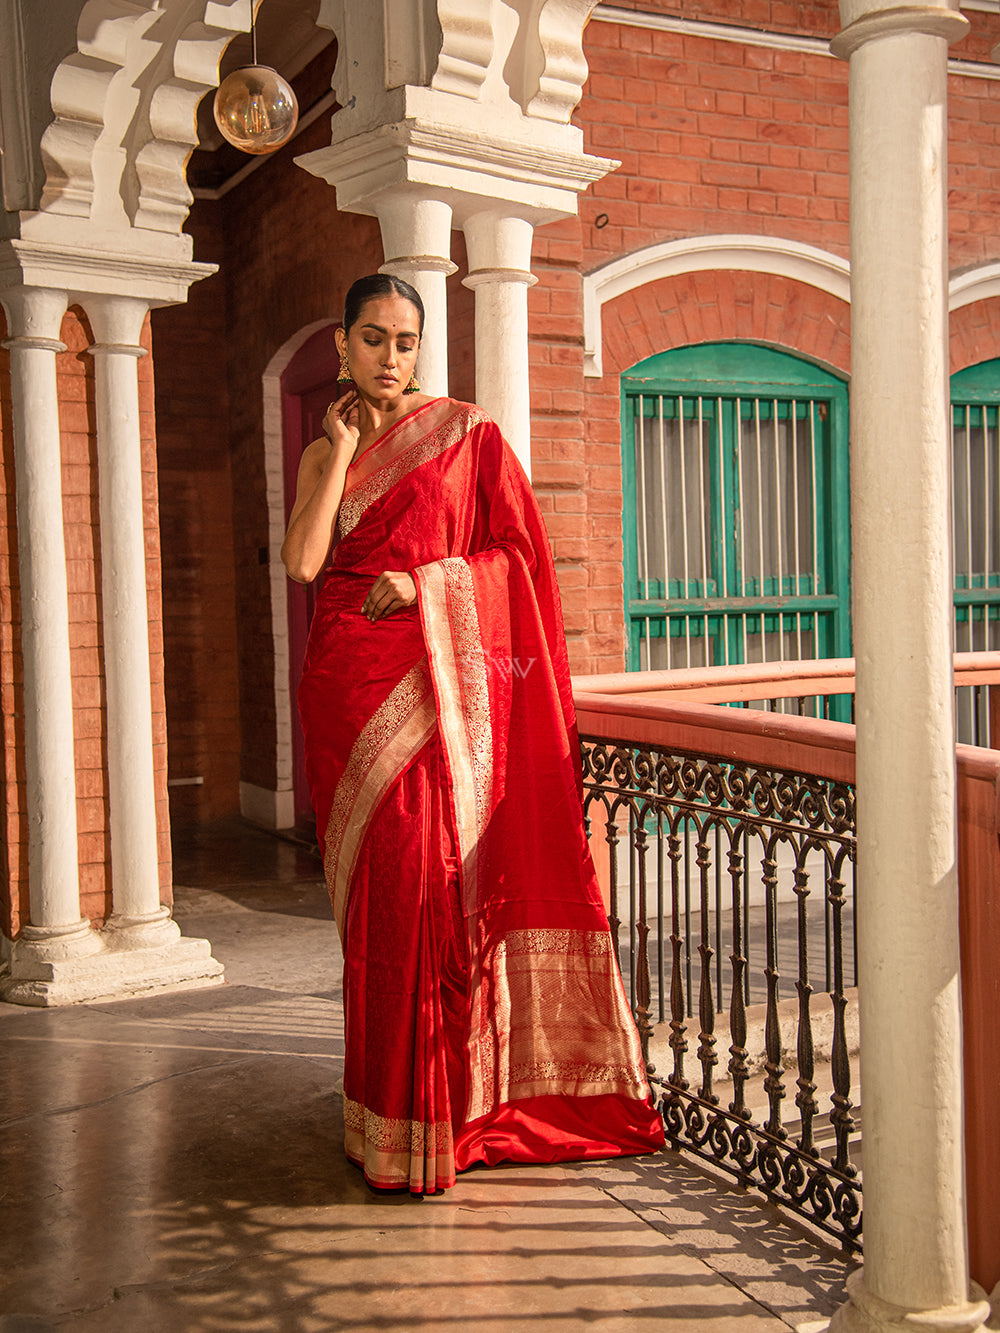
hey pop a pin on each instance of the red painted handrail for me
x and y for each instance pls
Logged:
(783, 680)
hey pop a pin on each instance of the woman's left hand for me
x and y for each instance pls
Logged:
(391, 591)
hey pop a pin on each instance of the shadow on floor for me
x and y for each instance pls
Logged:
(175, 1163)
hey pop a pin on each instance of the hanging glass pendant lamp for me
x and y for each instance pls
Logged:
(255, 108)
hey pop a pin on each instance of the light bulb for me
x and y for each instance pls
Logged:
(255, 109)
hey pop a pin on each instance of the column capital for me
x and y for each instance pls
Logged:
(116, 320)
(35, 344)
(116, 349)
(480, 276)
(893, 21)
(499, 247)
(34, 315)
(416, 241)
(425, 263)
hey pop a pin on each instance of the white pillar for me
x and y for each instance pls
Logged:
(56, 929)
(915, 1249)
(416, 240)
(499, 248)
(117, 325)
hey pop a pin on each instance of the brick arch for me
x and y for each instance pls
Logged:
(721, 305)
(974, 334)
(711, 305)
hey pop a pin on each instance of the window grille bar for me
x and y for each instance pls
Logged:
(724, 589)
(684, 519)
(703, 498)
(640, 449)
(813, 518)
(795, 526)
(987, 549)
(968, 492)
(778, 513)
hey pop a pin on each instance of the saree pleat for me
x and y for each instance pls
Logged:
(405, 978)
(486, 1018)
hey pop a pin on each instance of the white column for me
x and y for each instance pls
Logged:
(915, 1251)
(56, 930)
(499, 249)
(416, 240)
(117, 325)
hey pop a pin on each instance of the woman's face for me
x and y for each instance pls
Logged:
(382, 346)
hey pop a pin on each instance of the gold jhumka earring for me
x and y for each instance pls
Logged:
(344, 376)
(412, 384)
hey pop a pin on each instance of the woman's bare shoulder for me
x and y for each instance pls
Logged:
(314, 455)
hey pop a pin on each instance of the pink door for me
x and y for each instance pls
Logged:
(308, 384)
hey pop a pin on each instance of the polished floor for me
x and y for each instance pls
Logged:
(174, 1163)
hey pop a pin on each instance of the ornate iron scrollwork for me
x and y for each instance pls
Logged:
(714, 826)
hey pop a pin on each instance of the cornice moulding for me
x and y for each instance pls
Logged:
(775, 41)
(463, 168)
(84, 272)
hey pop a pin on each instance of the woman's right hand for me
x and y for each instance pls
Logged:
(342, 425)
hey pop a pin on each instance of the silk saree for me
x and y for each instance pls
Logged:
(485, 1015)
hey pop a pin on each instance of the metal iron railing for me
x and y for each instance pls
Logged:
(698, 831)
(724, 838)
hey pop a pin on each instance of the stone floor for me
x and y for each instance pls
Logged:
(174, 1163)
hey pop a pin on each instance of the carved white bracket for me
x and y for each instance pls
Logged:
(546, 68)
(125, 104)
(412, 41)
(467, 44)
(559, 32)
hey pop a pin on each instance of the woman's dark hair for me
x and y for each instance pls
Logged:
(379, 284)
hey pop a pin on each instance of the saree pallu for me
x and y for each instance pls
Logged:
(485, 1015)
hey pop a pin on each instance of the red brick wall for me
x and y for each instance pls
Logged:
(75, 381)
(975, 334)
(154, 610)
(461, 326)
(714, 137)
(284, 267)
(13, 811)
(818, 18)
(196, 513)
(559, 461)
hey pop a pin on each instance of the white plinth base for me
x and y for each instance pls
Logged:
(121, 966)
(865, 1313)
(269, 809)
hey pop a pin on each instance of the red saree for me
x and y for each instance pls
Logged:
(485, 1016)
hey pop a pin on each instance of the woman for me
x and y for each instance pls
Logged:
(485, 1016)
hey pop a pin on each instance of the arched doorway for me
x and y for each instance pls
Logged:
(308, 384)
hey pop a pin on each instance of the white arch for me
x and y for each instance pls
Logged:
(277, 809)
(695, 254)
(975, 284)
(754, 254)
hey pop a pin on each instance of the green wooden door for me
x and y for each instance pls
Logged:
(736, 509)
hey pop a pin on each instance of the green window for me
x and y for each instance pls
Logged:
(737, 531)
(975, 436)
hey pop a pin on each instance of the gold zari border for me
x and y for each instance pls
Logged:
(544, 1035)
(389, 1149)
(430, 444)
(396, 731)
